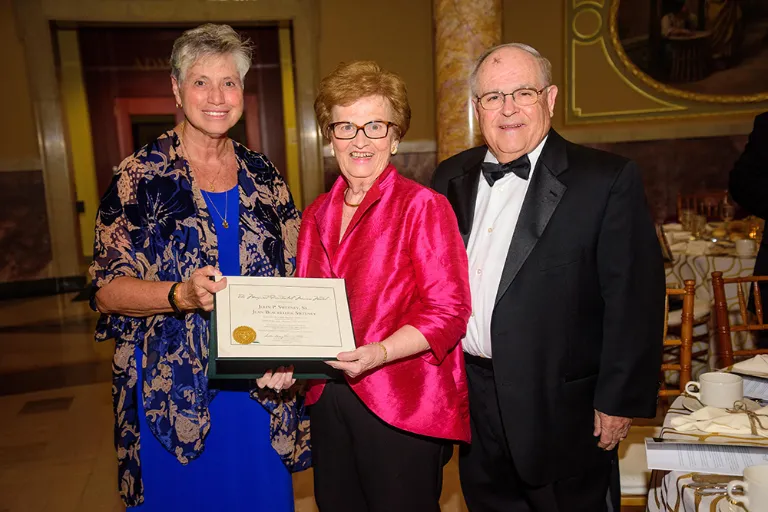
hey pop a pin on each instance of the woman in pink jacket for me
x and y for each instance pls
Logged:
(381, 434)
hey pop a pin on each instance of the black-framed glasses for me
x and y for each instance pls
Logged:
(344, 130)
(524, 97)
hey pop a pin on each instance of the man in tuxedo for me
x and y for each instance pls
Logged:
(748, 185)
(563, 347)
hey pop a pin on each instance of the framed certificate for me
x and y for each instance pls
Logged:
(260, 323)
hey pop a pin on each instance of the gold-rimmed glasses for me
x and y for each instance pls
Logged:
(524, 97)
(344, 130)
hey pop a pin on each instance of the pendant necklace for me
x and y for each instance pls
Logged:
(223, 218)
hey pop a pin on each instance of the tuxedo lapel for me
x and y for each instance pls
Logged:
(541, 200)
(462, 194)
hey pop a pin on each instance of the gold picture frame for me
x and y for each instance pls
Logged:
(595, 56)
(665, 88)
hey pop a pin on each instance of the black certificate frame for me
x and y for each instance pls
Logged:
(250, 368)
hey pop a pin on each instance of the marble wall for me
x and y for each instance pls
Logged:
(24, 234)
(669, 166)
(672, 166)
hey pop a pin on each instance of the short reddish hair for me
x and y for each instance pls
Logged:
(352, 81)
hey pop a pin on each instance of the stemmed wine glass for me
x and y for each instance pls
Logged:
(727, 212)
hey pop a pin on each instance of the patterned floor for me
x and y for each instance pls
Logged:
(56, 450)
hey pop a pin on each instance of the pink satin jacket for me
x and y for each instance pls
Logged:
(404, 263)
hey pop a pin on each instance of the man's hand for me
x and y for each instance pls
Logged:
(610, 429)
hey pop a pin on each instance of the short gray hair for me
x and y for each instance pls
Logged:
(544, 64)
(206, 40)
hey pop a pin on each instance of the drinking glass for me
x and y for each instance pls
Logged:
(685, 218)
(727, 212)
(698, 226)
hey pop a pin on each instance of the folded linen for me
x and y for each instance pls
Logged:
(713, 419)
(757, 364)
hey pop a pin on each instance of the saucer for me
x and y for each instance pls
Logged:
(692, 404)
(726, 506)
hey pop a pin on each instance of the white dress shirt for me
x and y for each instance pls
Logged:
(496, 212)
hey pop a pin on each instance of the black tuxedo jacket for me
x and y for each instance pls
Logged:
(748, 185)
(579, 312)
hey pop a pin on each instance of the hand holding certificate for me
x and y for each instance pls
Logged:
(260, 323)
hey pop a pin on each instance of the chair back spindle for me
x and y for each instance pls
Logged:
(726, 354)
(685, 343)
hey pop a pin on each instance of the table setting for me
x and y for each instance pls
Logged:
(695, 248)
(712, 451)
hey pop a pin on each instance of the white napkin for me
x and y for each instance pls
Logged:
(678, 247)
(672, 226)
(698, 247)
(680, 236)
(758, 364)
(712, 419)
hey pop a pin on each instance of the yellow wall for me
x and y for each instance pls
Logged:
(78, 125)
(399, 35)
(539, 23)
(18, 135)
(395, 33)
(400, 38)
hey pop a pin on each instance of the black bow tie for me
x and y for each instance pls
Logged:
(494, 172)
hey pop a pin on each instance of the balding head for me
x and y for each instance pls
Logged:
(543, 63)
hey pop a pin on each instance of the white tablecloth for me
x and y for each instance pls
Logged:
(675, 491)
(700, 268)
(678, 491)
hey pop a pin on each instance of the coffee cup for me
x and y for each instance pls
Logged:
(717, 389)
(753, 489)
(745, 247)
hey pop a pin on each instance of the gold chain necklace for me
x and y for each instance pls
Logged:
(189, 159)
(351, 205)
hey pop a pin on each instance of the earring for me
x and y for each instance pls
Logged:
(178, 105)
(333, 153)
(394, 149)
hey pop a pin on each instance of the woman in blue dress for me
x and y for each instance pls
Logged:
(191, 205)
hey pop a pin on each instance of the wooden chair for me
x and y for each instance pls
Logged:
(705, 203)
(686, 338)
(633, 466)
(750, 321)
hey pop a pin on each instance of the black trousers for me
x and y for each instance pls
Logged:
(362, 464)
(489, 479)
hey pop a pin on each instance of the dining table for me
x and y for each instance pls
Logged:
(687, 491)
(718, 443)
(697, 259)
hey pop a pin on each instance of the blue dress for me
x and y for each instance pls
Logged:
(239, 470)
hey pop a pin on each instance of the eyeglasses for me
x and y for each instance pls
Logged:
(345, 130)
(524, 97)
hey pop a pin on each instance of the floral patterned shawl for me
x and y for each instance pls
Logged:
(153, 224)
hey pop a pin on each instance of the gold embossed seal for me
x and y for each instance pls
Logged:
(244, 335)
